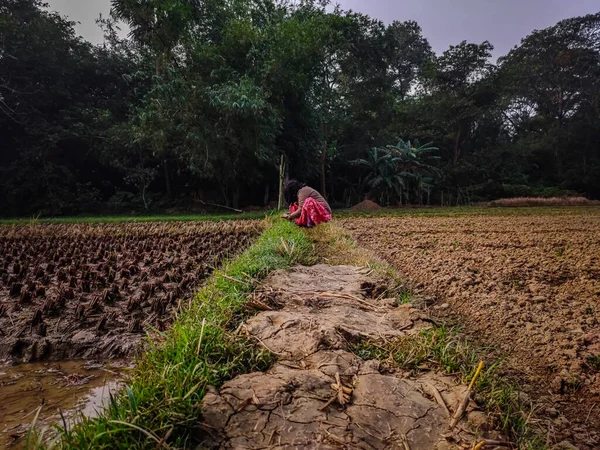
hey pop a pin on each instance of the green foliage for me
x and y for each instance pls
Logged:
(398, 172)
(164, 392)
(594, 362)
(205, 96)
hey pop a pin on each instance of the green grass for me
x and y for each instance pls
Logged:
(256, 215)
(457, 211)
(163, 396)
(443, 348)
(594, 362)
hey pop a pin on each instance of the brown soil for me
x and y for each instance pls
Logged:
(81, 291)
(530, 286)
(537, 201)
(313, 316)
(366, 206)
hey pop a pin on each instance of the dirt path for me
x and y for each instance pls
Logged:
(527, 285)
(312, 317)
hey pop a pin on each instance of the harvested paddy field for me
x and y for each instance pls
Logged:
(83, 290)
(526, 286)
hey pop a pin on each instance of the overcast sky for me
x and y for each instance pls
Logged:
(445, 22)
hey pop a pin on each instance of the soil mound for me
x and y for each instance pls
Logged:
(537, 201)
(366, 206)
(319, 395)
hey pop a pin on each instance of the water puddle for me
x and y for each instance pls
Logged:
(73, 387)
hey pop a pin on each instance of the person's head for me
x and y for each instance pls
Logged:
(290, 190)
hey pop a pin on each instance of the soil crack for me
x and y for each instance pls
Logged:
(293, 392)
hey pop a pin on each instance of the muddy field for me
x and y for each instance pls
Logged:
(528, 286)
(43, 389)
(81, 290)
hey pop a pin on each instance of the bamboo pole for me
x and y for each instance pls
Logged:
(281, 180)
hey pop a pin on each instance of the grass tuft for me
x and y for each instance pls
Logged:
(443, 348)
(594, 362)
(335, 245)
(161, 405)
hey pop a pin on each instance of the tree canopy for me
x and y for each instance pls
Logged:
(203, 98)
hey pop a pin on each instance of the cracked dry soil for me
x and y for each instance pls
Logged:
(314, 316)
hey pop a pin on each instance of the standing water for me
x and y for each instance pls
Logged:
(74, 388)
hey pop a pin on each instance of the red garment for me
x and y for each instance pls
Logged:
(313, 213)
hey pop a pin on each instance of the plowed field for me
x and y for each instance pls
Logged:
(528, 286)
(81, 291)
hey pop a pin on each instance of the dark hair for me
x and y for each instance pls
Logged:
(290, 191)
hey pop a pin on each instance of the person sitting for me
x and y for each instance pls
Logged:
(308, 208)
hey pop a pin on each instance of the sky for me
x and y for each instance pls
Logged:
(445, 22)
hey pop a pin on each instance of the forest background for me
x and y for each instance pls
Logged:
(203, 98)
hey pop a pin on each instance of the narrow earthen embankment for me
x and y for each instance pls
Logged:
(318, 394)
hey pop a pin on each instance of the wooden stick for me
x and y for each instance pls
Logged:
(589, 413)
(281, 180)
(329, 402)
(268, 349)
(463, 405)
(285, 246)
(221, 206)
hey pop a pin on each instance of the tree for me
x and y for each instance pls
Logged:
(458, 84)
(205, 96)
(58, 98)
(551, 88)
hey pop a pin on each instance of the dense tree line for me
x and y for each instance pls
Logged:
(203, 98)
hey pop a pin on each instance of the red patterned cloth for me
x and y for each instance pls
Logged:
(313, 213)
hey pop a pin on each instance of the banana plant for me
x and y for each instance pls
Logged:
(397, 171)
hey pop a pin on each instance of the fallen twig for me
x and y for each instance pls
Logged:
(406, 327)
(257, 304)
(589, 413)
(221, 206)
(342, 393)
(238, 330)
(235, 279)
(438, 397)
(491, 442)
(463, 405)
(350, 297)
(404, 441)
(353, 333)
(268, 349)
(284, 245)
